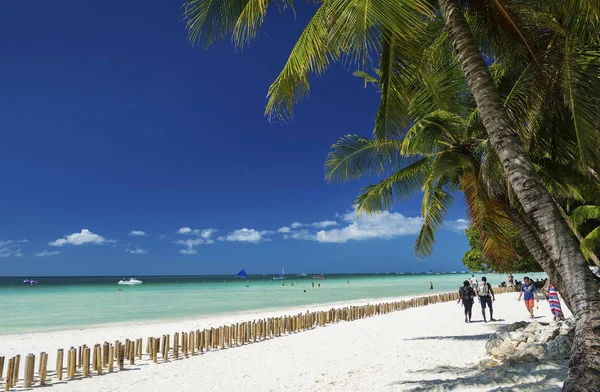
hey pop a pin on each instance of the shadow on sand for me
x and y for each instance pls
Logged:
(546, 377)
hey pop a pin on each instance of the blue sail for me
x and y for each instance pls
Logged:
(242, 274)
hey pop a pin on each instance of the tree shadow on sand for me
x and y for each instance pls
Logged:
(546, 376)
(482, 336)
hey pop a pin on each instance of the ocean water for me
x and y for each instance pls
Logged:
(71, 302)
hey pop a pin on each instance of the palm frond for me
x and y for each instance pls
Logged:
(340, 28)
(434, 209)
(590, 243)
(397, 187)
(583, 213)
(353, 157)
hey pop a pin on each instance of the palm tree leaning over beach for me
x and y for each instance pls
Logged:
(354, 30)
(447, 149)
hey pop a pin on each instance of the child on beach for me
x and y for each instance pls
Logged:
(530, 291)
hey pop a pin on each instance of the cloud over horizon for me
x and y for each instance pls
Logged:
(11, 248)
(85, 237)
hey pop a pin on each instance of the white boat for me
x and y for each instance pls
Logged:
(280, 277)
(131, 281)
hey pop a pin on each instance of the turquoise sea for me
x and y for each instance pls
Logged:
(71, 302)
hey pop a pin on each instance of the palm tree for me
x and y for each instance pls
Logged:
(354, 30)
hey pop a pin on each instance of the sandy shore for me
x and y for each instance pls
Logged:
(427, 348)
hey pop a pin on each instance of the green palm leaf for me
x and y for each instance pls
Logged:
(397, 187)
(353, 157)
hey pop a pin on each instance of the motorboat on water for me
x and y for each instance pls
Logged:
(302, 274)
(280, 277)
(319, 276)
(131, 281)
(31, 281)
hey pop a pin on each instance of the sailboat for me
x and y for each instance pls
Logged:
(242, 274)
(280, 277)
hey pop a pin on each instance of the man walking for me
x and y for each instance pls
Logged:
(530, 291)
(486, 296)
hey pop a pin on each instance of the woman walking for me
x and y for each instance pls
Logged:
(467, 295)
(555, 303)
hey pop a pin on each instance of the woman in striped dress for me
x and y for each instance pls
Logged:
(555, 303)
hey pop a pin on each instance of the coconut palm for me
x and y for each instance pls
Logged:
(355, 30)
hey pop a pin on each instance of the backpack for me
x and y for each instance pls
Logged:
(467, 293)
(483, 289)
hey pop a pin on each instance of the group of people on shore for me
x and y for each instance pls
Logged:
(528, 291)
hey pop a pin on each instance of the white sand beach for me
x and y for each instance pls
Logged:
(425, 348)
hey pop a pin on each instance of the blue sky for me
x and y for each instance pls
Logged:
(112, 123)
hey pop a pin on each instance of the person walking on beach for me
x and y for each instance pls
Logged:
(313, 284)
(554, 303)
(473, 281)
(486, 296)
(529, 289)
(467, 295)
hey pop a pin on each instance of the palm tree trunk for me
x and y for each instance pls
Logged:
(563, 213)
(554, 234)
(539, 253)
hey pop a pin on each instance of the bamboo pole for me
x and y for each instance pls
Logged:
(111, 358)
(86, 361)
(28, 374)
(73, 358)
(105, 354)
(1, 365)
(9, 371)
(15, 374)
(99, 360)
(43, 367)
(121, 356)
(192, 342)
(176, 345)
(94, 357)
(59, 364)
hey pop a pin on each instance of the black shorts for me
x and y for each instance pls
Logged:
(487, 300)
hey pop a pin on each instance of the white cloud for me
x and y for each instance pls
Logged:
(459, 225)
(246, 235)
(46, 253)
(284, 229)
(137, 233)
(194, 238)
(136, 251)
(295, 225)
(301, 235)
(85, 237)
(385, 225)
(11, 248)
(324, 224)
(13, 242)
